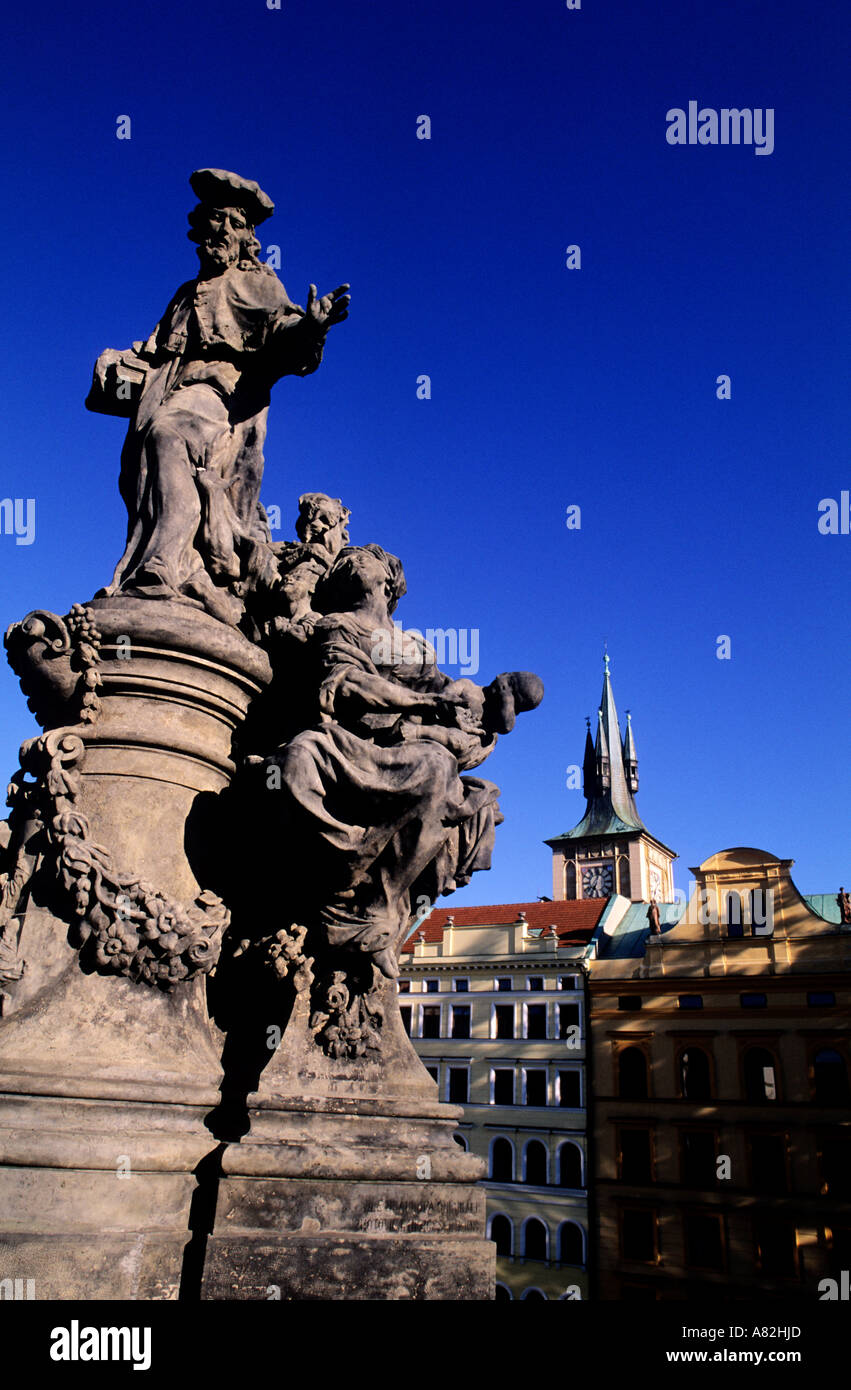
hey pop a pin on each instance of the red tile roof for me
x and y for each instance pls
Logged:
(573, 922)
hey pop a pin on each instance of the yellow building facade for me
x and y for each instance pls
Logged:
(720, 1069)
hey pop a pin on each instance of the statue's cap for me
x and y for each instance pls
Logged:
(219, 188)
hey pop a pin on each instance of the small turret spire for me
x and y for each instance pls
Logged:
(589, 763)
(630, 757)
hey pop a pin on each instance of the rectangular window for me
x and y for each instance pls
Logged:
(405, 1014)
(821, 999)
(459, 1085)
(431, 1022)
(460, 1020)
(434, 1072)
(568, 1090)
(536, 1020)
(635, 1156)
(753, 1001)
(629, 1002)
(697, 1150)
(768, 1162)
(536, 1087)
(638, 1235)
(691, 1001)
(535, 982)
(404, 986)
(568, 1017)
(776, 1246)
(462, 986)
(836, 1167)
(504, 985)
(432, 986)
(703, 1240)
(503, 1086)
(567, 982)
(504, 1021)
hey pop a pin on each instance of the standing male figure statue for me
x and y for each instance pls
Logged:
(197, 394)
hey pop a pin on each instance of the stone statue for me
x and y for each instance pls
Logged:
(241, 799)
(197, 395)
(371, 796)
(654, 919)
(844, 901)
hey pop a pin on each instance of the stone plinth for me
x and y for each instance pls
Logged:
(122, 1174)
(105, 1081)
(349, 1184)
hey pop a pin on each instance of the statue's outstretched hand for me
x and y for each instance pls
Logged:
(332, 308)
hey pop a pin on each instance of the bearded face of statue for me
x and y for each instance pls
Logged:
(222, 233)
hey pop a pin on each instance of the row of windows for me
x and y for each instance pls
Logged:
(503, 984)
(510, 1086)
(535, 1023)
(768, 1156)
(532, 1241)
(760, 1075)
(750, 999)
(534, 1164)
(775, 1243)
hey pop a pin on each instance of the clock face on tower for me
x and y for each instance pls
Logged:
(655, 883)
(598, 880)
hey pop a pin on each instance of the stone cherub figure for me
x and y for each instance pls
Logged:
(322, 533)
(374, 809)
(197, 394)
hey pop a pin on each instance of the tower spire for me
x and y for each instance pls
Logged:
(630, 757)
(611, 849)
(610, 769)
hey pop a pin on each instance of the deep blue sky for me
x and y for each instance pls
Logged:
(550, 386)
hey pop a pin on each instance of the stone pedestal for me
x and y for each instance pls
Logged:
(349, 1183)
(105, 1082)
(118, 1176)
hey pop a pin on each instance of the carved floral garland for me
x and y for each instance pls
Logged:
(122, 924)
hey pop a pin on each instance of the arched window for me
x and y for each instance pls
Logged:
(760, 1075)
(830, 1075)
(570, 1244)
(632, 1074)
(733, 915)
(570, 1166)
(624, 886)
(502, 1294)
(535, 1293)
(501, 1234)
(695, 1077)
(502, 1161)
(535, 1239)
(535, 1164)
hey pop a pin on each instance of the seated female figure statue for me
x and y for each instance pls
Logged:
(376, 810)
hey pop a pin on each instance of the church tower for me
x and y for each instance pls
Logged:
(611, 850)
